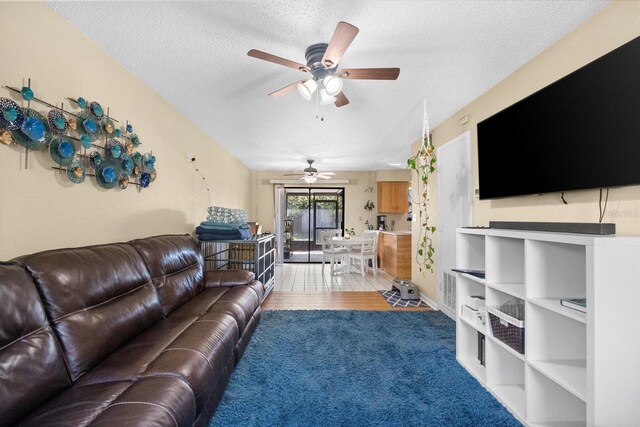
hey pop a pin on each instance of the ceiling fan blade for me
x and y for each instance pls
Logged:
(323, 177)
(340, 41)
(277, 60)
(293, 174)
(369, 73)
(341, 100)
(286, 89)
(326, 173)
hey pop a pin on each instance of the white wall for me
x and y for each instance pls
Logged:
(39, 209)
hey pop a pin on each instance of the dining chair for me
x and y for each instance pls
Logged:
(331, 252)
(368, 251)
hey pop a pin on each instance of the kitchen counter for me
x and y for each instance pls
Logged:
(394, 252)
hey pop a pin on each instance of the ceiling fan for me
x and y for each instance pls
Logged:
(322, 63)
(311, 174)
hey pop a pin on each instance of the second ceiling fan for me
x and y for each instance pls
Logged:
(311, 174)
(322, 63)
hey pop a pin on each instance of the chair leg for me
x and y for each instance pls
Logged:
(374, 263)
(362, 267)
(323, 261)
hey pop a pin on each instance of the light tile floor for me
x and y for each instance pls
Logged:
(311, 278)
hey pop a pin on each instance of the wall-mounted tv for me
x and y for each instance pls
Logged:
(582, 131)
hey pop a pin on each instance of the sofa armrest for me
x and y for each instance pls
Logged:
(219, 278)
(231, 278)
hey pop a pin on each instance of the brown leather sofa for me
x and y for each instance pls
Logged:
(121, 334)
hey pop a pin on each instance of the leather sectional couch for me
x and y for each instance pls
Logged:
(120, 334)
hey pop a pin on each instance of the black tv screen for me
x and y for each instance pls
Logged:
(582, 131)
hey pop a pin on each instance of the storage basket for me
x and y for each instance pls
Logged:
(507, 329)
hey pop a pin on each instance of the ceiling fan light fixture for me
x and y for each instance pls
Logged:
(307, 88)
(325, 98)
(309, 179)
(332, 85)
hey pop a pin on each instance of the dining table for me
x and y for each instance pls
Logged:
(344, 242)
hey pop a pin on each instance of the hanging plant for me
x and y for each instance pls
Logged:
(424, 165)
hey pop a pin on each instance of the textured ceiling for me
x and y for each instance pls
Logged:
(194, 54)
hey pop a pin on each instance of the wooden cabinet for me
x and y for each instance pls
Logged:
(393, 196)
(394, 252)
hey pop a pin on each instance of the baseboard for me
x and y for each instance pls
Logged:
(431, 303)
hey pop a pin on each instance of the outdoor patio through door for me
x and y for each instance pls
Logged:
(309, 210)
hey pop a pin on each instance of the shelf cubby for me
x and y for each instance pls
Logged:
(506, 377)
(548, 404)
(470, 251)
(467, 350)
(467, 285)
(555, 270)
(504, 260)
(557, 348)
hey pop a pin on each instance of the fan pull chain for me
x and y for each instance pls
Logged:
(319, 106)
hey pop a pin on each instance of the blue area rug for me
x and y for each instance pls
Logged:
(355, 368)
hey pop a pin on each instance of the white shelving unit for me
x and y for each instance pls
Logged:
(578, 369)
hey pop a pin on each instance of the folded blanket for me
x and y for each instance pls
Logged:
(237, 235)
(226, 215)
(221, 231)
(224, 225)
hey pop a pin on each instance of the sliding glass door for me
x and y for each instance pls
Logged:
(309, 210)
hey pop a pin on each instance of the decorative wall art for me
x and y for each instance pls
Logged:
(86, 143)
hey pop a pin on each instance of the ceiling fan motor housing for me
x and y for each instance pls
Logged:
(313, 55)
(310, 170)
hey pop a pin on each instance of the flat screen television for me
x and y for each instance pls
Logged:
(582, 131)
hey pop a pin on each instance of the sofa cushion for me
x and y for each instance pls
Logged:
(162, 401)
(97, 298)
(231, 278)
(153, 401)
(31, 365)
(131, 360)
(175, 264)
(240, 302)
(199, 356)
(194, 349)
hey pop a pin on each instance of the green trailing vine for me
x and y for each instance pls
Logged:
(424, 165)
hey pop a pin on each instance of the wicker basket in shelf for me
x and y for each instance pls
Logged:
(507, 329)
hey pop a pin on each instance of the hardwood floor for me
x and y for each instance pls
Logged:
(308, 287)
(354, 300)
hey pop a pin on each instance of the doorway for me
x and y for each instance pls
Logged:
(454, 203)
(308, 211)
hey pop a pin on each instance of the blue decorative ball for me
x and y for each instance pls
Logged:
(10, 114)
(33, 128)
(85, 141)
(65, 149)
(90, 126)
(116, 151)
(144, 180)
(27, 93)
(109, 174)
(59, 122)
(129, 128)
(82, 103)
